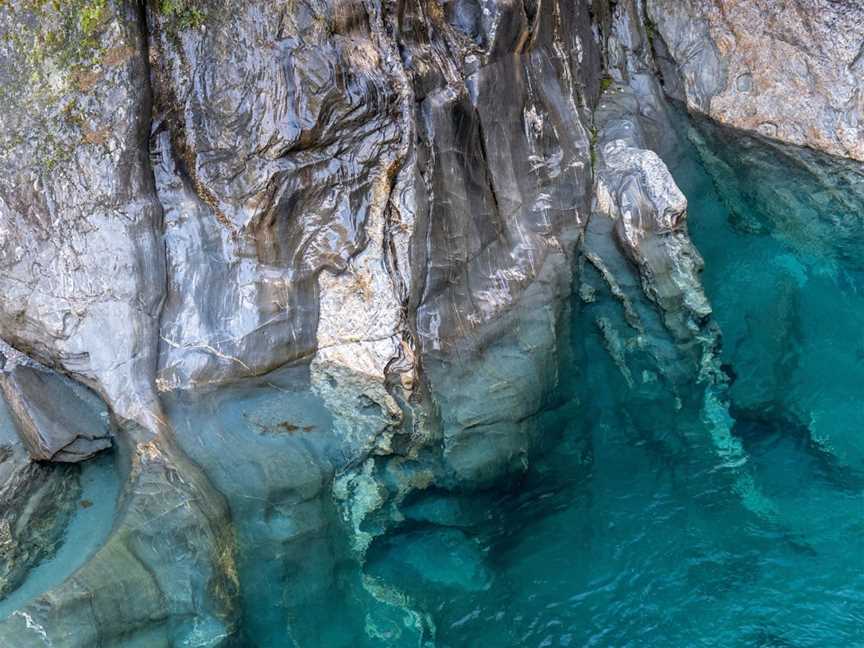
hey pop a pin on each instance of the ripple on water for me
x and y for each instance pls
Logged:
(650, 541)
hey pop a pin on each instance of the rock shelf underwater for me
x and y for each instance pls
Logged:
(430, 324)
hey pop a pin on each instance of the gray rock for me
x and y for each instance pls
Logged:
(792, 71)
(82, 279)
(504, 152)
(257, 207)
(36, 502)
(637, 237)
(57, 419)
(81, 267)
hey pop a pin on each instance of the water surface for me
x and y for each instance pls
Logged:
(633, 529)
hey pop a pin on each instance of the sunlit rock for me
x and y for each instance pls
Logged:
(789, 71)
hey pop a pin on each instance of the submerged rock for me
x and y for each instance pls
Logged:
(437, 559)
(36, 502)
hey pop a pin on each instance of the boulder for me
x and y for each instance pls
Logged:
(57, 419)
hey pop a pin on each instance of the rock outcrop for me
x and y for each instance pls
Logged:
(36, 501)
(82, 285)
(317, 258)
(56, 418)
(791, 71)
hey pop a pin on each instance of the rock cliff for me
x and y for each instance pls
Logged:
(314, 258)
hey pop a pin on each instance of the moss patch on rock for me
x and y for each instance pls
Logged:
(181, 14)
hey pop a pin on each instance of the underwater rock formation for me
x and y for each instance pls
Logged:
(637, 237)
(316, 260)
(36, 501)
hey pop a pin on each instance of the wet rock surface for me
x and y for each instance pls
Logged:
(36, 501)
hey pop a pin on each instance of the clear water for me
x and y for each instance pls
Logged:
(633, 530)
(85, 533)
(632, 526)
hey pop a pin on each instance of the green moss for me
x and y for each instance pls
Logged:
(55, 51)
(91, 17)
(66, 32)
(605, 84)
(182, 14)
(650, 30)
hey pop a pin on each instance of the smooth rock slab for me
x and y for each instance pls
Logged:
(56, 419)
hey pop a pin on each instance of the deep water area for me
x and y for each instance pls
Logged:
(688, 519)
(653, 512)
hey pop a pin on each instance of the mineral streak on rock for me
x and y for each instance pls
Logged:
(281, 139)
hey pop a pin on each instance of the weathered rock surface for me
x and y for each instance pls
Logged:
(82, 268)
(286, 126)
(505, 145)
(792, 71)
(81, 289)
(637, 237)
(57, 419)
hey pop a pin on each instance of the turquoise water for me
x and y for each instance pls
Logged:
(722, 516)
(633, 529)
(86, 531)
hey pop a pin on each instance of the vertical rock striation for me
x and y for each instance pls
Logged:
(81, 290)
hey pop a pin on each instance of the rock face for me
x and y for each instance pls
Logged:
(338, 185)
(792, 71)
(275, 155)
(57, 419)
(504, 156)
(82, 285)
(637, 237)
(317, 257)
(79, 219)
